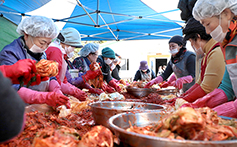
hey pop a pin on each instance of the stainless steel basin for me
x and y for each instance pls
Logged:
(120, 122)
(102, 111)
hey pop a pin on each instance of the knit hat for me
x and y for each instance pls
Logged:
(178, 39)
(192, 27)
(70, 36)
(108, 53)
(143, 65)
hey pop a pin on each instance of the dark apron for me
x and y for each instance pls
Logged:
(180, 70)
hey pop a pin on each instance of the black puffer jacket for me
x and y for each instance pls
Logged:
(186, 7)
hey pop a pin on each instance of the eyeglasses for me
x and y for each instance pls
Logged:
(95, 54)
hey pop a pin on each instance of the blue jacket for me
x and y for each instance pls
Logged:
(15, 51)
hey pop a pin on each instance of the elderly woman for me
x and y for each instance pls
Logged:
(38, 32)
(220, 21)
(105, 60)
(88, 54)
(144, 73)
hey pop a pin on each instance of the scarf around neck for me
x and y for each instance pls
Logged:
(230, 54)
(232, 31)
(178, 56)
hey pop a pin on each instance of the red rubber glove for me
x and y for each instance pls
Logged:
(91, 89)
(228, 109)
(180, 81)
(108, 88)
(69, 89)
(190, 89)
(212, 99)
(96, 91)
(169, 82)
(25, 69)
(157, 80)
(113, 84)
(51, 98)
(198, 92)
(91, 75)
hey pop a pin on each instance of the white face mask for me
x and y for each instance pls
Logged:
(112, 66)
(199, 52)
(70, 55)
(36, 49)
(144, 70)
(108, 61)
(218, 34)
(69, 49)
(174, 51)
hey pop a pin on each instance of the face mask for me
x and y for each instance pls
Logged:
(69, 49)
(174, 51)
(112, 66)
(36, 49)
(199, 52)
(218, 34)
(70, 55)
(108, 61)
(144, 70)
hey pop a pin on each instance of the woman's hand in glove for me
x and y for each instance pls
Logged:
(69, 89)
(108, 88)
(91, 74)
(95, 91)
(24, 69)
(180, 81)
(113, 84)
(157, 80)
(51, 98)
(169, 82)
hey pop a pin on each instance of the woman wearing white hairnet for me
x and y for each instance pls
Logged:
(89, 54)
(37, 31)
(220, 21)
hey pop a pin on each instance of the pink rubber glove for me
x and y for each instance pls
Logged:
(197, 93)
(228, 109)
(212, 99)
(190, 89)
(55, 87)
(51, 98)
(168, 83)
(157, 80)
(69, 89)
(180, 81)
(113, 84)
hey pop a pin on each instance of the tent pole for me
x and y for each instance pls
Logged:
(108, 28)
(97, 16)
(79, 3)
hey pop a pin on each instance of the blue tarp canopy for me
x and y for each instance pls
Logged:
(101, 19)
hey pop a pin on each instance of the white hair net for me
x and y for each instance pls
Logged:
(208, 8)
(89, 48)
(38, 26)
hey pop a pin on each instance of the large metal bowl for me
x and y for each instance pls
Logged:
(120, 122)
(138, 92)
(102, 111)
